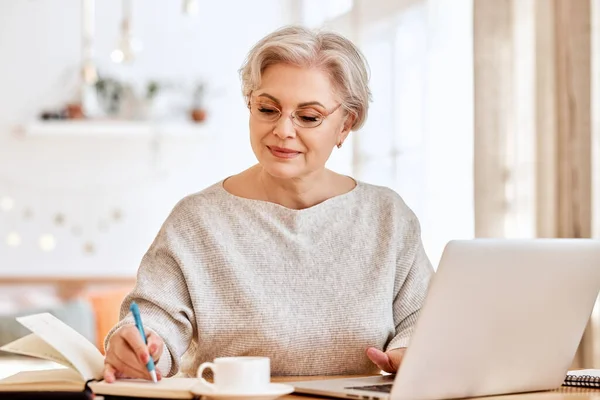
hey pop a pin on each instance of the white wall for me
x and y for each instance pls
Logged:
(85, 179)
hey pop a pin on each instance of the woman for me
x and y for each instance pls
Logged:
(287, 259)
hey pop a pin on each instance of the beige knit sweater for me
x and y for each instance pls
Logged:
(311, 288)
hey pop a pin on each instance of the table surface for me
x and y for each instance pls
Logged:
(571, 393)
(9, 366)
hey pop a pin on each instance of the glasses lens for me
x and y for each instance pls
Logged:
(308, 118)
(264, 111)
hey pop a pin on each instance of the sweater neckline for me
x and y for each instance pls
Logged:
(332, 201)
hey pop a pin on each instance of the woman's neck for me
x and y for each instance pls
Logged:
(302, 192)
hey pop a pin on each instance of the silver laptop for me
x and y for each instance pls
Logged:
(501, 316)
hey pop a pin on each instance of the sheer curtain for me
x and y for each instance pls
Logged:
(536, 155)
(418, 139)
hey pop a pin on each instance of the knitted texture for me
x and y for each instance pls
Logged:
(311, 288)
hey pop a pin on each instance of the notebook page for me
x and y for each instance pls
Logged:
(44, 380)
(166, 388)
(584, 372)
(83, 355)
(33, 346)
(43, 376)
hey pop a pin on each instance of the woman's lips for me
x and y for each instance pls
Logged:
(281, 152)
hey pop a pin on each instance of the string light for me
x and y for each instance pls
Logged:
(59, 219)
(13, 239)
(89, 248)
(27, 213)
(191, 7)
(47, 242)
(6, 203)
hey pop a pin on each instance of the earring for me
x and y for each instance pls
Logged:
(339, 145)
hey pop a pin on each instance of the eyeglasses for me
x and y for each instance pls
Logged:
(302, 117)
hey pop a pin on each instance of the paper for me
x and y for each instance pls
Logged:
(63, 379)
(84, 357)
(585, 372)
(47, 375)
(171, 388)
(31, 345)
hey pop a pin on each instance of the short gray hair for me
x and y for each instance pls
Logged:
(330, 51)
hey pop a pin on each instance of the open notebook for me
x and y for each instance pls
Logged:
(53, 340)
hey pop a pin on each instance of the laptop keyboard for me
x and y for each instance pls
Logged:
(385, 388)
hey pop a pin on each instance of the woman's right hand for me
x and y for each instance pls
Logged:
(127, 355)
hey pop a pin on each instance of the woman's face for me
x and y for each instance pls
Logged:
(284, 149)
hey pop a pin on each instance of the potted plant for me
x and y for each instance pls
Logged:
(146, 102)
(198, 111)
(110, 94)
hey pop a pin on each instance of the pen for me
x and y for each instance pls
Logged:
(138, 323)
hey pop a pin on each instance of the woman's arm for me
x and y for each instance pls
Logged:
(413, 272)
(162, 295)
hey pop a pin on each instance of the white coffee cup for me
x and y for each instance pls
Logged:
(237, 374)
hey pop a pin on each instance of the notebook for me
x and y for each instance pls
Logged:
(583, 378)
(82, 372)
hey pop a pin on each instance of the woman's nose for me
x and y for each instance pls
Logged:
(284, 127)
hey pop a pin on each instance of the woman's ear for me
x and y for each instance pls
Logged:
(347, 126)
(348, 123)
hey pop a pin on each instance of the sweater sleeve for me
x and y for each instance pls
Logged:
(413, 273)
(162, 295)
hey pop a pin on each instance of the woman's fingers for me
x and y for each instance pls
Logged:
(155, 345)
(132, 337)
(109, 373)
(395, 358)
(381, 359)
(129, 366)
(122, 370)
(127, 354)
(389, 361)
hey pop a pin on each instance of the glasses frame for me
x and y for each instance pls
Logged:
(293, 116)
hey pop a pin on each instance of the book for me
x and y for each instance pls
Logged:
(583, 378)
(82, 367)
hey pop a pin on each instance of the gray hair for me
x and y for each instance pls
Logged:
(339, 57)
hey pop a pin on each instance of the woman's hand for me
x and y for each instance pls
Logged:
(127, 355)
(388, 361)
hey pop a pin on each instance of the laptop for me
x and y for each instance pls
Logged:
(500, 316)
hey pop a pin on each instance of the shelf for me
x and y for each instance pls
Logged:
(111, 129)
(10, 280)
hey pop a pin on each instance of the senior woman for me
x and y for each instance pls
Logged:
(320, 272)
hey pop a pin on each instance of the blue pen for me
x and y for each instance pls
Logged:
(138, 323)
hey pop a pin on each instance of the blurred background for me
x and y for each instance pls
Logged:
(485, 118)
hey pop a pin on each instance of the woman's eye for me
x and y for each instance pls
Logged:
(267, 110)
(309, 116)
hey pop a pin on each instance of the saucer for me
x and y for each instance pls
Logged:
(271, 392)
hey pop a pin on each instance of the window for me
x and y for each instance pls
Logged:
(418, 139)
(315, 13)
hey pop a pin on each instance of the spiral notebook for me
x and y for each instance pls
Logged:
(583, 378)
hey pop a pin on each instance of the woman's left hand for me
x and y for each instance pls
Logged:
(388, 361)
